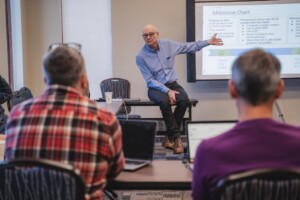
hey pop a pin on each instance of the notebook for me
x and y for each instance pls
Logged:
(197, 131)
(138, 143)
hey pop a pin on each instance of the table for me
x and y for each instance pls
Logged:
(159, 175)
(113, 107)
(146, 102)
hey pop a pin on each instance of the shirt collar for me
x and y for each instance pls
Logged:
(56, 88)
(152, 50)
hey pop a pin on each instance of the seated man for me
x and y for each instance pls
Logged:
(257, 141)
(65, 126)
(156, 62)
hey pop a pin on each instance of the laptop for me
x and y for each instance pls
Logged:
(197, 131)
(138, 143)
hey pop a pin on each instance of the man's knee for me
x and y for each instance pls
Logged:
(164, 103)
(183, 102)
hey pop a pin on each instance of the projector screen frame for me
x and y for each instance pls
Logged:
(191, 36)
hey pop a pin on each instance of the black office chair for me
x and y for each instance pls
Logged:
(39, 179)
(19, 96)
(260, 184)
(3, 119)
(121, 89)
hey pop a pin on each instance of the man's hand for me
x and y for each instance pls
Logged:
(172, 96)
(215, 41)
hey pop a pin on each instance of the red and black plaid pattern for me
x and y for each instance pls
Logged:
(64, 126)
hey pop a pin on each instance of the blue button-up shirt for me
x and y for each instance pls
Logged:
(157, 66)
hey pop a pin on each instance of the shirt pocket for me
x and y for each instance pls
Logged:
(169, 62)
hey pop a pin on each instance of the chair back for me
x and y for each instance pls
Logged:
(26, 93)
(39, 179)
(120, 89)
(260, 184)
(119, 86)
(3, 119)
(19, 96)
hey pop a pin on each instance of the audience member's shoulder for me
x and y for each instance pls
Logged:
(289, 127)
(280, 124)
(104, 115)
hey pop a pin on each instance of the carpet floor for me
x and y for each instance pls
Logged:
(152, 195)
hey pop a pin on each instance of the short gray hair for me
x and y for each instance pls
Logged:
(63, 65)
(256, 75)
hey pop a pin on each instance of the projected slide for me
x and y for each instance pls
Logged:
(275, 28)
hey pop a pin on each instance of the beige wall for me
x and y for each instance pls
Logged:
(3, 52)
(128, 18)
(3, 42)
(41, 26)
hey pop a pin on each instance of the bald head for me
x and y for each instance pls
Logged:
(149, 28)
(150, 34)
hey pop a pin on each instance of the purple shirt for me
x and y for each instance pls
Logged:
(249, 145)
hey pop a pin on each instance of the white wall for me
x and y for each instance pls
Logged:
(89, 23)
(17, 46)
(128, 18)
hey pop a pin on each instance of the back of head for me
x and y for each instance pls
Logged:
(256, 75)
(63, 65)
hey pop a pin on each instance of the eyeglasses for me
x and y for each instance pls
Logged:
(151, 34)
(72, 45)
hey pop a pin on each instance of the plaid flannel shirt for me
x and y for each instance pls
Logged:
(64, 126)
